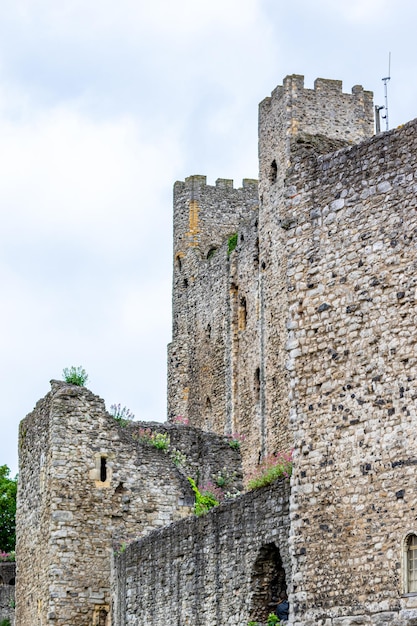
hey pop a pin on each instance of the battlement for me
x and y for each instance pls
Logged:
(292, 110)
(205, 214)
(198, 180)
(294, 84)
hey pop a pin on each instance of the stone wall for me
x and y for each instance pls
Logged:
(226, 365)
(352, 357)
(87, 485)
(202, 367)
(7, 591)
(222, 568)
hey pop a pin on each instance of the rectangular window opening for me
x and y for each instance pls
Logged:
(103, 469)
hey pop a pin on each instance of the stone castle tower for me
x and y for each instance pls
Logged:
(294, 317)
(227, 363)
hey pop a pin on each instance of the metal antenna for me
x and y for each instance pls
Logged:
(385, 81)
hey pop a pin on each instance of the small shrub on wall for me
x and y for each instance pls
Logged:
(273, 467)
(75, 375)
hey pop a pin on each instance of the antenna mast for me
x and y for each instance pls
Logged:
(385, 81)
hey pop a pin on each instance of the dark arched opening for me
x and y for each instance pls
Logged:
(268, 582)
(257, 384)
(208, 422)
(273, 172)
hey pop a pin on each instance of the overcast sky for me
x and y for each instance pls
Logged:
(103, 105)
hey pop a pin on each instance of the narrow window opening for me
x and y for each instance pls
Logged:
(103, 469)
(208, 415)
(411, 549)
(208, 332)
(12, 581)
(179, 263)
(273, 172)
(102, 618)
(256, 254)
(242, 313)
(185, 282)
(257, 384)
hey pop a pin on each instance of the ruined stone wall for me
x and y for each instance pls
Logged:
(222, 568)
(352, 357)
(7, 591)
(86, 486)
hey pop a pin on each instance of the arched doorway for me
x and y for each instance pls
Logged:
(267, 582)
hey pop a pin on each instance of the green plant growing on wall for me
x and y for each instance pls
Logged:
(273, 620)
(204, 500)
(231, 243)
(223, 478)
(235, 440)
(177, 457)
(75, 375)
(273, 467)
(122, 415)
(160, 441)
(5, 622)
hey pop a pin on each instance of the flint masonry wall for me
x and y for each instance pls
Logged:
(292, 113)
(222, 568)
(85, 486)
(226, 365)
(352, 357)
(209, 306)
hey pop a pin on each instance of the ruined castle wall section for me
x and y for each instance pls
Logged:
(222, 568)
(100, 487)
(205, 217)
(33, 514)
(207, 455)
(352, 358)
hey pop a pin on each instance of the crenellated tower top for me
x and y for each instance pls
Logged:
(292, 110)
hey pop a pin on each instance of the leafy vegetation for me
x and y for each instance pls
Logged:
(204, 499)
(8, 490)
(160, 441)
(273, 467)
(121, 414)
(231, 243)
(273, 620)
(177, 457)
(75, 375)
(236, 440)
